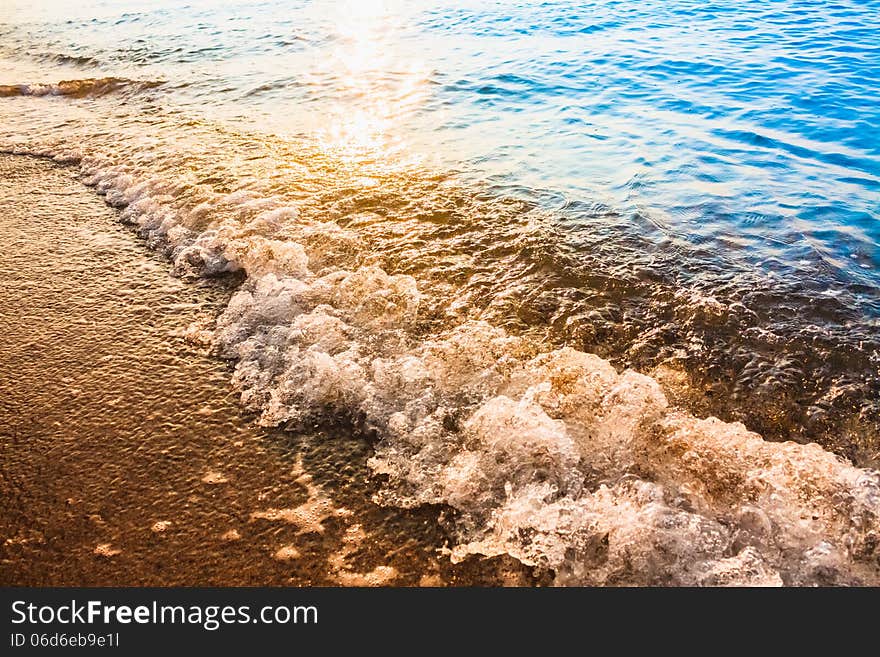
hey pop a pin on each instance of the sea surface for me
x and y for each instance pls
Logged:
(603, 277)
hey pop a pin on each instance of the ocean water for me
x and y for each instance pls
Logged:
(522, 247)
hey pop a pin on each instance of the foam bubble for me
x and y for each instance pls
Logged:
(213, 477)
(286, 553)
(308, 517)
(230, 535)
(106, 550)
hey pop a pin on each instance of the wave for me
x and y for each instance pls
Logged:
(548, 454)
(76, 60)
(82, 61)
(87, 87)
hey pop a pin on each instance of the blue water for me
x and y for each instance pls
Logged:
(748, 128)
(753, 124)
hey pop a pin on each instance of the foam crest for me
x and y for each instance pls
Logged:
(619, 489)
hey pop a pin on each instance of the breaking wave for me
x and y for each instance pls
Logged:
(548, 454)
(78, 88)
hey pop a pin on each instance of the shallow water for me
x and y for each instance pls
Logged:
(751, 130)
(439, 209)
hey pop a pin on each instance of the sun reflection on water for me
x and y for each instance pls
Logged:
(374, 86)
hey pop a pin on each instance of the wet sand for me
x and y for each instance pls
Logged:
(124, 458)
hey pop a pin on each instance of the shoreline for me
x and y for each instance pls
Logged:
(126, 459)
(631, 466)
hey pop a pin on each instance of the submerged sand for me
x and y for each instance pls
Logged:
(124, 458)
